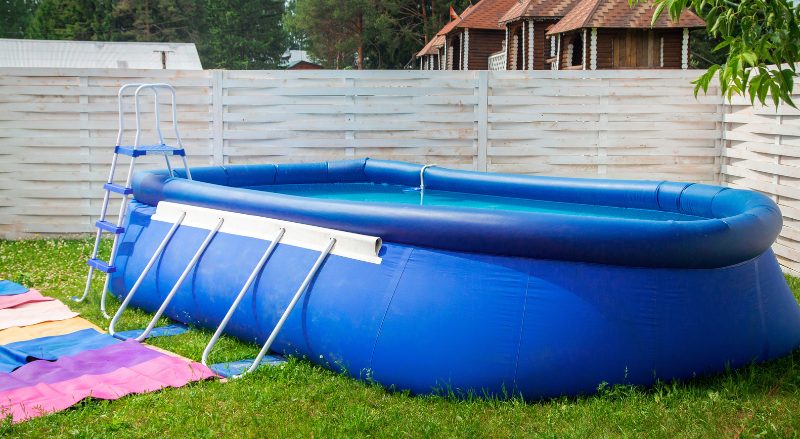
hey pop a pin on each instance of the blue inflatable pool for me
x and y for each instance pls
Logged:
(483, 283)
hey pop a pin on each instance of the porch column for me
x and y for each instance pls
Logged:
(506, 49)
(530, 44)
(685, 49)
(522, 46)
(461, 52)
(558, 53)
(583, 52)
(593, 50)
(466, 49)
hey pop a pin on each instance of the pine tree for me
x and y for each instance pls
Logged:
(243, 34)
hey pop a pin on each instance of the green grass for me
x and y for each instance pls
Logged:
(300, 399)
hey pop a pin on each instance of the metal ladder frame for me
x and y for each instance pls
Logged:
(274, 334)
(178, 283)
(126, 190)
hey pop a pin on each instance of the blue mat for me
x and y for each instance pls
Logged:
(8, 288)
(14, 355)
(232, 368)
(159, 331)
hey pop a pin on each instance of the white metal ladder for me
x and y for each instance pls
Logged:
(134, 151)
(274, 334)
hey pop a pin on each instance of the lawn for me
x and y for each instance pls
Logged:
(299, 399)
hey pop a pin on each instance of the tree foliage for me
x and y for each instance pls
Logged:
(85, 20)
(762, 40)
(388, 32)
(243, 34)
(233, 34)
(14, 17)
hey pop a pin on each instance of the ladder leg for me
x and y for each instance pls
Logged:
(241, 294)
(297, 295)
(91, 269)
(122, 209)
(169, 166)
(147, 268)
(186, 168)
(103, 212)
(175, 288)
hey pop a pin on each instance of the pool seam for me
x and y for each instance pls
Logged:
(394, 283)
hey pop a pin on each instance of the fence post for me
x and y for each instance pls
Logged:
(217, 125)
(482, 113)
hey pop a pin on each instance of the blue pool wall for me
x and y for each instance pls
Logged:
(739, 225)
(430, 320)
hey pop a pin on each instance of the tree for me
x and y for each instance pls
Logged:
(243, 34)
(86, 20)
(386, 33)
(334, 29)
(762, 38)
(157, 20)
(14, 17)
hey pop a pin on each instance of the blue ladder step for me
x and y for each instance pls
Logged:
(148, 149)
(233, 368)
(101, 265)
(111, 187)
(159, 331)
(109, 227)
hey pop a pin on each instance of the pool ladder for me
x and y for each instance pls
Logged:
(134, 151)
(233, 369)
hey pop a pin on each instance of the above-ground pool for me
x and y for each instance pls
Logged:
(483, 283)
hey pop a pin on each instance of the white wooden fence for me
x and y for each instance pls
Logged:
(58, 126)
(762, 152)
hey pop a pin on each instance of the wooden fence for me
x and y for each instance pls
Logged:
(58, 127)
(762, 152)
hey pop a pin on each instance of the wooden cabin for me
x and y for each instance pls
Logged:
(304, 65)
(609, 34)
(560, 34)
(526, 25)
(475, 35)
(430, 57)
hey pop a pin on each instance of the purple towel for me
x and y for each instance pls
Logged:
(42, 387)
(14, 355)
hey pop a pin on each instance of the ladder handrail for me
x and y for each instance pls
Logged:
(147, 268)
(121, 111)
(256, 270)
(178, 284)
(274, 334)
(155, 87)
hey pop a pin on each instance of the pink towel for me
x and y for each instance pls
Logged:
(33, 313)
(42, 387)
(21, 299)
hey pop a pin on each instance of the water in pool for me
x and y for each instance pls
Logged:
(386, 193)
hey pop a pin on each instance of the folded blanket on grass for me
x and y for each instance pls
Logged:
(14, 355)
(32, 313)
(8, 288)
(29, 296)
(45, 329)
(42, 387)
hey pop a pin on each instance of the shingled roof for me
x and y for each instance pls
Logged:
(432, 47)
(618, 14)
(538, 9)
(485, 14)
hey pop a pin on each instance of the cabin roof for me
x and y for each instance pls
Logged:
(538, 9)
(432, 47)
(619, 14)
(485, 14)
